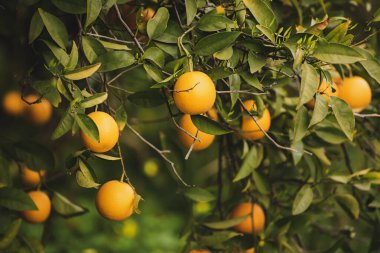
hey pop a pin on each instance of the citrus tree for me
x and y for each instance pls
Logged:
(264, 114)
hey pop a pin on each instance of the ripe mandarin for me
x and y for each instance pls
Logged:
(43, 203)
(356, 92)
(194, 93)
(114, 200)
(38, 113)
(256, 217)
(30, 177)
(108, 133)
(250, 130)
(13, 104)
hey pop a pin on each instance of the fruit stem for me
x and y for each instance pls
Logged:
(184, 49)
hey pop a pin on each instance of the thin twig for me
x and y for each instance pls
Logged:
(267, 135)
(192, 146)
(129, 30)
(124, 174)
(371, 115)
(123, 72)
(161, 153)
(173, 119)
(242, 92)
(118, 88)
(109, 38)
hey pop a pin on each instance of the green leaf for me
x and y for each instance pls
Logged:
(155, 55)
(36, 27)
(215, 42)
(71, 6)
(112, 45)
(87, 125)
(302, 200)
(55, 27)
(93, 9)
(121, 117)
(216, 238)
(320, 153)
(262, 12)
(376, 16)
(191, 10)
(252, 80)
(198, 194)
(309, 84)
(61, 55)
(212, 22)
(300, 124)
(208, 125)
(267, 32)
(48, 89)
(65, 207)
(336, 54)
(225, 224)
(92, 48)
(224, 54)
(149, 98)
(73, 59)
(218, 73)
(32, 154)
(158, 24)
(261, 182)
(83, 72)
(84, 176)
(106, 157)
(64, 125)
(10, 234)
(338, 33)
(321, 109)
(371, 65)
(344, 115)
(235, 83)
(16, 199)
(251, 161)
(154, 73)
(95, 99)
(349, 204)
(115, 60)
(256, 62)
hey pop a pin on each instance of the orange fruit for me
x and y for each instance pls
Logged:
(356, 92)
(38, 113)
(326, 91)
(108, 133)
(213, 114)
(147, 14)
(220, 10)
(256, 217)
(13, 104)
(199, 251)
(194, 93)
(251, 250)
(250, 130)
(43, 203)
(30, 177)
(114, 200)
(187, 141)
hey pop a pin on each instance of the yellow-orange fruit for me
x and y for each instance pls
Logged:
(220, 10)
(13, 104)
(38, 113)
(147, 14)
(108, 133)
(356, 92)
(199, 251)
(256, 217)
(326, 90)
(30, 177)
(115, 200)
(251, 130)
(251, 250)
(187, 141)
(213, 114)
(43, 203)
(194, 93)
